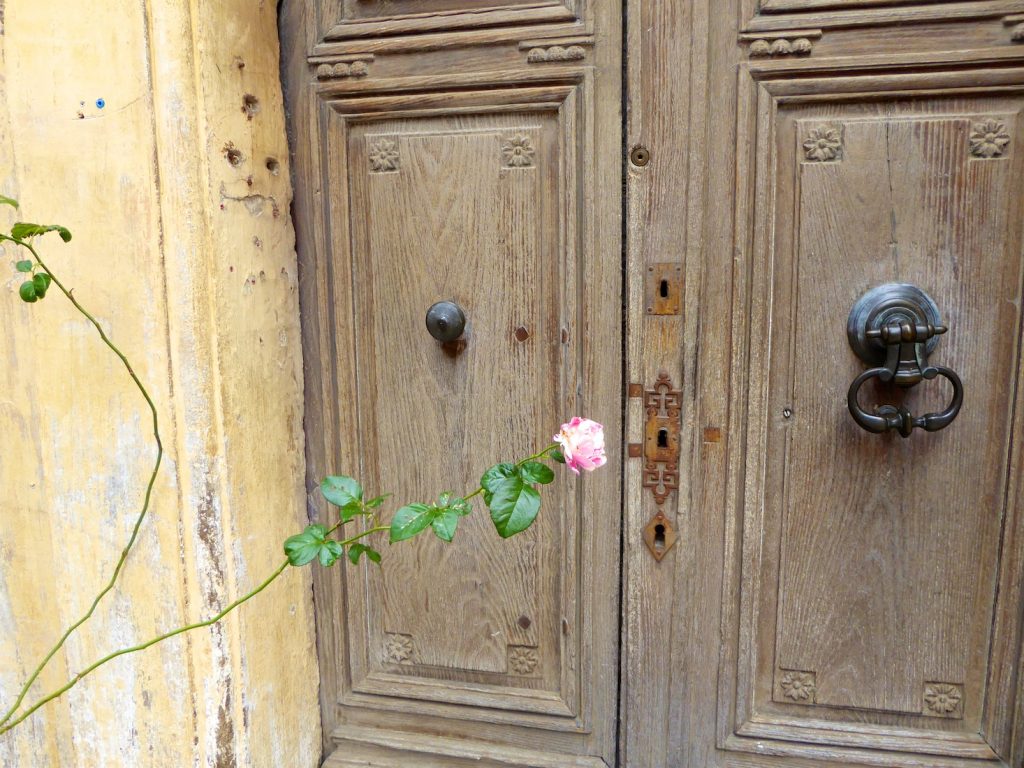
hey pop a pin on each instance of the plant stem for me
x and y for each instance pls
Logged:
(145, 504)
(166, 635)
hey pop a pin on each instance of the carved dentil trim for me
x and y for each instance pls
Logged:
(523, 659)
(342, 69)
(398, 648)
(556, 53)
(823, 144)
(761, 47)
(383, 156)
(989, 139)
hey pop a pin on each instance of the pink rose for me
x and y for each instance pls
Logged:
(582, 444)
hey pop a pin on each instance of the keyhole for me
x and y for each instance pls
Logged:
(663, 289)
(663, 438)
(659, 537)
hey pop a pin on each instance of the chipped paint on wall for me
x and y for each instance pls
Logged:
(127, 149)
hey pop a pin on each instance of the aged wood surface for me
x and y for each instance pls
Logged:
(465, 152)
(835, 597)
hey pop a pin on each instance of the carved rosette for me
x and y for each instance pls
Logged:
(398, 649)
(989, 139)
(517, 151)
(523, 659)
(797, 687)
(383, 156)
(943, 700)
(823, 144)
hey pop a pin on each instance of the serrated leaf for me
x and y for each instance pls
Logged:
(376, 501)
(445, 523)
(514, 507)
(24, 266)
(4, 200)
(24, 229)
(304, 547)
(344, 493)
(358, 549)
(330, 551)
(461, 507)
(27, 291)
(410, 520)
(535, 472)
(494, 476)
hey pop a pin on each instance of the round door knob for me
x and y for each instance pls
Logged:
(446, 321)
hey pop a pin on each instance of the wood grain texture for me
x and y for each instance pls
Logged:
(814, 561)
(462, 171)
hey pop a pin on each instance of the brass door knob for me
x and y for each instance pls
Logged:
(446, 321)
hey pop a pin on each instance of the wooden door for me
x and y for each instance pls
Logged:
(462, 150)
(833, 597)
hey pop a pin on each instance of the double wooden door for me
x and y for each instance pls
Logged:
(660, 216)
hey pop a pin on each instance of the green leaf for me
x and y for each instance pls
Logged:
(4, 200)
(41, 282)
(445, 523)
(344, 493)
(27, 291)
(304, 547)
(358, 549)
(24, 266)
(410, 520)
(330, 551)
(535, 472)
(494, 476)
(23, 230)
(461, 507)
(557, 455)
(376, 501)
(514, 507)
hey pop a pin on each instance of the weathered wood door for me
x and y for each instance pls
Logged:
(794, 590)
(465, 151)
(835, 597)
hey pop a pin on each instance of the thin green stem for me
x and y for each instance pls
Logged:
(145, 504)
(167, 635)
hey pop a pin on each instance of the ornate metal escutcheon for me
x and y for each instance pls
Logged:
(894, 328)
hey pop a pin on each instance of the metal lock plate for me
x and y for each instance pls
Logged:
(663, 289)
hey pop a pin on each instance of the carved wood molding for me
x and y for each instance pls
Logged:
(556, 49)
(343, 66)
(790, 42)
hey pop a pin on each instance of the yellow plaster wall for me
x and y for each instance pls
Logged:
(186, 254)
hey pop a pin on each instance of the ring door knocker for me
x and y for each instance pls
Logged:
(894, 328)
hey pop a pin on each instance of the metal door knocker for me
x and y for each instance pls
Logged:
(895, 327)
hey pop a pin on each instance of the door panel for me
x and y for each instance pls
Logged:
(877, 559)
(454, 162)
(849, 598)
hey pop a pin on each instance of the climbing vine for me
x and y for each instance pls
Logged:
(509, 490)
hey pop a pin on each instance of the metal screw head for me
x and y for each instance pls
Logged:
(640, 156)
